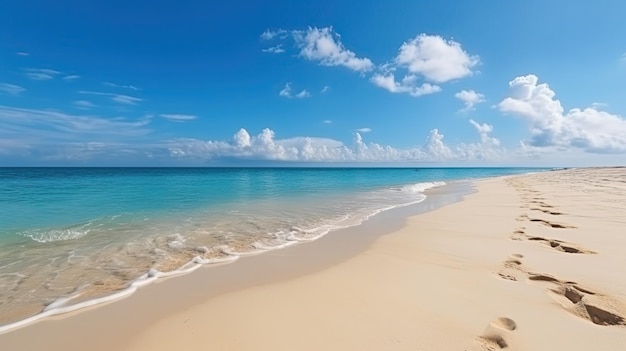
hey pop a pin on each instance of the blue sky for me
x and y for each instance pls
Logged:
(190, 83)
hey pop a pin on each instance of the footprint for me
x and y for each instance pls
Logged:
(494, 336)
(562, 246)
(504, 323)
(512, 268)
(542, 204)
(518, 234)
(551, 224)
(582, 302)
(554, 213)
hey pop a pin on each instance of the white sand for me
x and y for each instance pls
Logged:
(527, 263)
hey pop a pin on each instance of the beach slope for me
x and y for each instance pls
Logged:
(532, 262)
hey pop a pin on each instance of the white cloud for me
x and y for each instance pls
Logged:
(484, 130)
(52, 135)
(71, 77)
(407, 85)
(599, 105)
(324, 45)
(278, 49)
(288, 93)
(271, 34)
(119, 98)
(41, 73)
(178, 117)
(265, 146)
(84, 104)
(11, 89)
(587, 129)
(327, 121)
(303, 94)
(131, 87)
(436, 59)
(435, 147)
(324, 89)
(22, 53)
(363, 130)
(470, 98)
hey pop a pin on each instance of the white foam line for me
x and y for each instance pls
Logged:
(195, 263)
(57, 308)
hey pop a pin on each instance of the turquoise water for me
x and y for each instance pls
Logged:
(72, 234)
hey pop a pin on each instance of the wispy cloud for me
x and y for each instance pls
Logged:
(178, 117)
(278, 49)
(71, 77)
(41, 73)
(36, 135)
(84, 104)
(131, 87)
(22, 53)
(287, 92)
(327, 121)
(11, 89)
(49, 124)
(363, 130)
(271, 34)
(119, 98)
(324, 89)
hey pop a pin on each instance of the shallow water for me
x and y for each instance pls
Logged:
(72, 234)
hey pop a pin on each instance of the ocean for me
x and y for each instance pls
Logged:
(72, 236)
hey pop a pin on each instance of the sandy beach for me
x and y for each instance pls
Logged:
(532, 262)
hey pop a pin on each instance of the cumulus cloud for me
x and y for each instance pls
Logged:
(41, 73)
(436, 59)
(324, 45)
(278, 49)
(54, 135)
(470, 98)
(265, 146)
(11, 89)
(288, 93)
(119, 98)
(484, 130)
(407, 85)
(587, 129)
(176, 117)
(428, 61)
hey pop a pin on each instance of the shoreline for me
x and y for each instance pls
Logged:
(526, 262)
(391, 220)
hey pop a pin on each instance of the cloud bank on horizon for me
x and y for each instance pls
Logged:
(319, 78)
